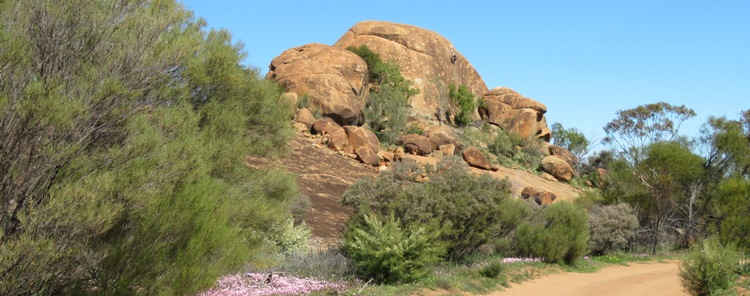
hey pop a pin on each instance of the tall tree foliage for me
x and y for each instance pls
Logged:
(123, 126)
(633, 129)
(570, 139)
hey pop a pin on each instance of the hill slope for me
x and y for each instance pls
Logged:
(324, 175)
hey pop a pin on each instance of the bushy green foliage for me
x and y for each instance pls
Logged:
(386, 108)
(570, 139)
(560, 234)
(391, 253)
(611, 227)
(513, 148)
(470, 209)
(464, 99)
(710, 268)
(492, 270)
(291, 239)
(385, 113)
(124, 126)
(731, 208)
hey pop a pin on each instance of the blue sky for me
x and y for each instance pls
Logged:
(583, 59)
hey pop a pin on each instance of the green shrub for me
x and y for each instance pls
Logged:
(470, 209)
(386, 109)
(611, 227)
(291, 239)
(464, 100)
(385, 113)
(390, 253)
(515, 149)
(560, 234)
(710, 268)
(492, 270)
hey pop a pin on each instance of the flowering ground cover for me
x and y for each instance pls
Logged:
(258, 284)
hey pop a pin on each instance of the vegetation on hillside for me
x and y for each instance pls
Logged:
(386, 109)
(123, 129)
(464, 100)
(124, 126)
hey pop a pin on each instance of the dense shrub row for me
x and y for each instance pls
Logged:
(465, 211)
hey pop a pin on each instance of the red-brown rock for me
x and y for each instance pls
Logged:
(440, 135)
(448, 149)
(305, 116)
(515, 113)
(367, 155)
(476, 158)
(334, 79)
(424, 57)
(360, 136)
(325, 125)
(415, 144)
(564, 154)
(540, 196)
(557, 167)
(339, 141)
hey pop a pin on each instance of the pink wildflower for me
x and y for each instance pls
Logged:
(258, 284)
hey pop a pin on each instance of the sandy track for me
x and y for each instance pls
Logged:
(635, 279)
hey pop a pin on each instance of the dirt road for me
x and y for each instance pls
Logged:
(635, 279)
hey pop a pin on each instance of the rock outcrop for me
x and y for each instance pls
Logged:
(325, 125)
(333, 79)
(425, 58)
(476, 158)
(415, 144)
(564, 154)
(440, 135)
(305, 116)
(540, 196)
(557, 167)
(513, 112)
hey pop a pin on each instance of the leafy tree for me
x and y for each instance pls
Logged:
(123, 129)
(728, 145)
(634, 129)
(667, 174)
(465, 101)
(570, 139)
(730, 209)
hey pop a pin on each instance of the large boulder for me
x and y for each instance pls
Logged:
(361, 137)
(325, 125)
(339, 141)
(333, 79)
(513, 112)
(425, 58)
(540, 196)
(557, 167)
(564, 154)
(415, 144)
(440, 135)
(305, 116)
(367, 155)
(476, 158)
